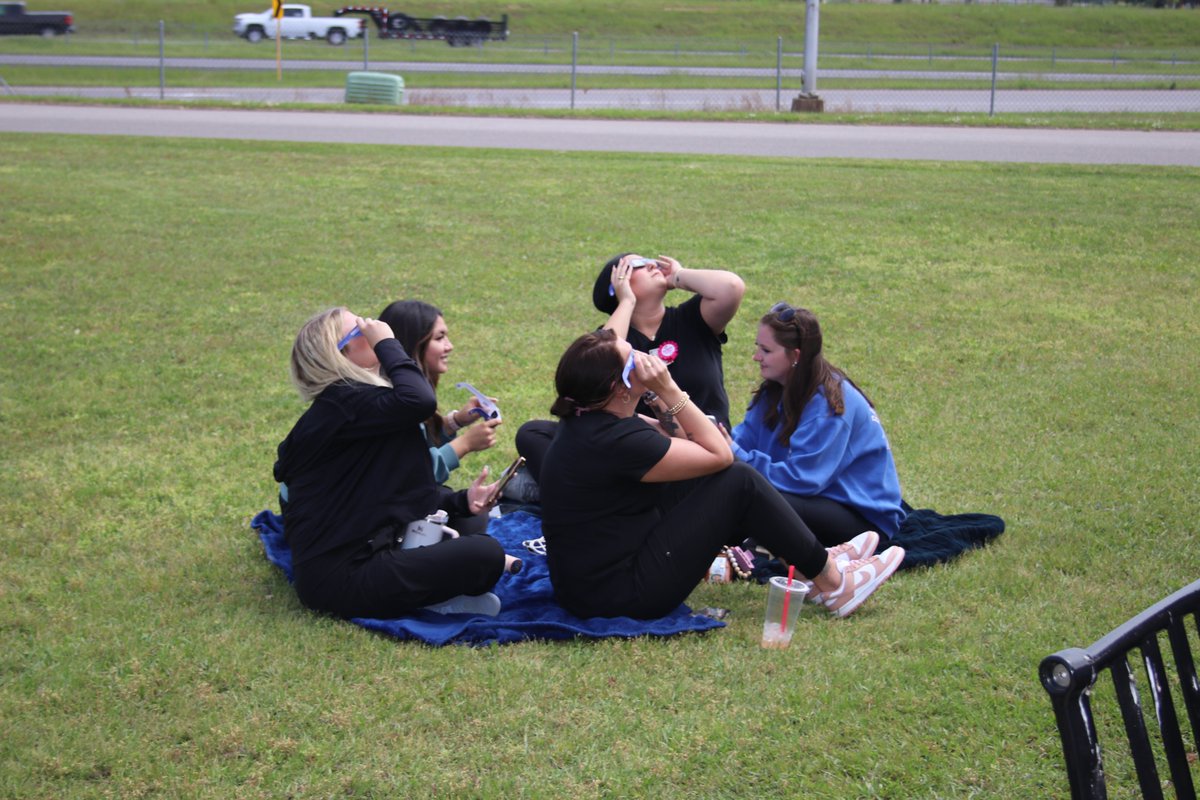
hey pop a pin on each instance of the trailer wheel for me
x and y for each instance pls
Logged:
(336, 37)
(48, 32)
(255, 35)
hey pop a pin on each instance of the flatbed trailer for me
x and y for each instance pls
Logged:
(456, 31)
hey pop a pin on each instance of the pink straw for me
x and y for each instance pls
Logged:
(787, 596)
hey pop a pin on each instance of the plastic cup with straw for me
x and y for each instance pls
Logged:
(780, 618)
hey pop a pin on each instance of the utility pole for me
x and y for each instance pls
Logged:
(809, 101)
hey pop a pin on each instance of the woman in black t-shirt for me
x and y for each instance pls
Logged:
(633, 518)
(688, 337)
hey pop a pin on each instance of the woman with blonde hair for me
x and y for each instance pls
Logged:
(357, 472)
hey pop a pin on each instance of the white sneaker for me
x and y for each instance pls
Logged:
(860, 579)
(486, 604)
(858, 548)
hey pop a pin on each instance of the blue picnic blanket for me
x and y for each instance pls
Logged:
(528, 608)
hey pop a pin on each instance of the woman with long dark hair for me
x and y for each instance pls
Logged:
(421, 329)
(633, 518)
(816, 436)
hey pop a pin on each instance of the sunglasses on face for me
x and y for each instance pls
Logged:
(349, 337)
(637, 263)
(783, 312)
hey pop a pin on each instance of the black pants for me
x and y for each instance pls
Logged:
(701, 516)
(391, 582)
(830, 521)
(533, 440)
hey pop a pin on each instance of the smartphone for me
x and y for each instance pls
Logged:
(505, 477)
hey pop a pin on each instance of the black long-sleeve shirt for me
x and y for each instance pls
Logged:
(357, 461)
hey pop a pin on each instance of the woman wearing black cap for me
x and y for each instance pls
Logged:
(632, 290)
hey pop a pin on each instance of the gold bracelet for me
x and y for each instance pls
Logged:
(675, 409)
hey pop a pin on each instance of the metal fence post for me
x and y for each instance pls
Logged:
(162, 60)
(366, 47)
(574, 64)
(995, 59)
(778, 73)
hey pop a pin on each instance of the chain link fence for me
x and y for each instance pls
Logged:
(134, 59)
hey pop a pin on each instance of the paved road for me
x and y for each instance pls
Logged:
(728, 138)
(865, 101)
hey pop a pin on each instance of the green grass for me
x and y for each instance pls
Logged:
(1081, 26)
(1027, 332)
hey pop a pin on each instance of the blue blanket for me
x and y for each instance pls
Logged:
(528, 612)
(930, 538)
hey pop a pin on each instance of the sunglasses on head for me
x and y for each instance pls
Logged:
(345, 340)
(783, 312)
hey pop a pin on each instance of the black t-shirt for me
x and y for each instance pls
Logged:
(596, 512)
(697, 367)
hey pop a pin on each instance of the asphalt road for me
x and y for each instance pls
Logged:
(716, 138)
(978, 101)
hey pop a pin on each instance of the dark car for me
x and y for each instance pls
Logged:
(15, 21)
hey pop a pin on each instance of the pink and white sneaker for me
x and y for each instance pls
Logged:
(860, 579)
(858, 548)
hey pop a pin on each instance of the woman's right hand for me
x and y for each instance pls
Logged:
(481, 436)
(653, 373)
(620, 280)
(374, 330)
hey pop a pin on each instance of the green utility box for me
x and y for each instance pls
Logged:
(379, 88)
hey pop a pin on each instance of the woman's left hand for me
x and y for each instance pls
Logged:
(478, 493)
(670, 268)
(471, 412)
(725, 433)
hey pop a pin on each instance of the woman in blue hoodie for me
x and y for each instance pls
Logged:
(815, 436)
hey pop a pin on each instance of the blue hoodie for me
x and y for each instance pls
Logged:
(842, 457)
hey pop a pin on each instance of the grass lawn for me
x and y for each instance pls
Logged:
(1027, 332)
(1075, 26)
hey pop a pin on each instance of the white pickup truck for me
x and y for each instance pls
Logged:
(297, 23)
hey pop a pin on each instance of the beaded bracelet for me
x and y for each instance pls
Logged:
(452, 422)
(675, 409)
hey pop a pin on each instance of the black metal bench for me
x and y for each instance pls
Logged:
(1070, 675)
